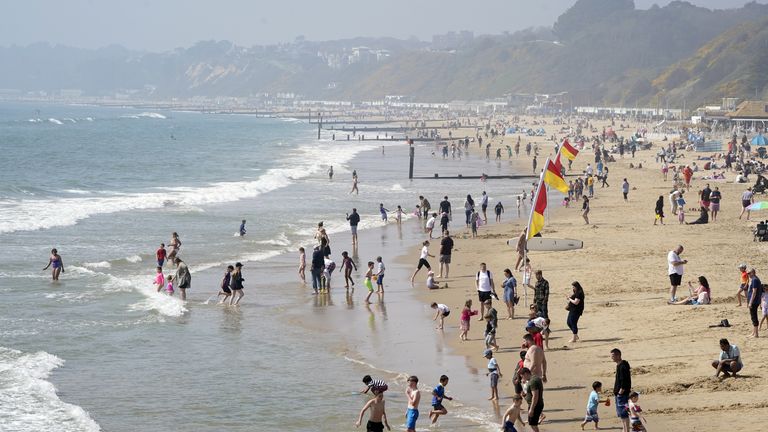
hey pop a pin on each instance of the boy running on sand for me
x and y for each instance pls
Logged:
(438, 394)
(414, 397)
(378, 417)
(592, 403)
(368, 283)
(512, 415)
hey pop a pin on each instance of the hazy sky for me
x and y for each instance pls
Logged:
(159, 25)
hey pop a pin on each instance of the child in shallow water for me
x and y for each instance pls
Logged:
(169, 285)
(466, 313)
(159, 279)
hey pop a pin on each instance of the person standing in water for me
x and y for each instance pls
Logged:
(330, 173)
(56, 264)
(160, 254)
(236, 285)
(242, 228)
(225, 281)
(175, 245)
(182, 277)
(354, 183)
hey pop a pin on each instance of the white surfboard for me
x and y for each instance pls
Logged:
(550, 244)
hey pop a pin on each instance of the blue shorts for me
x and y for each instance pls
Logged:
(591, 416)
(160, 262)
(410, 418)
(380, 280)
(509, 426)
(621, 406)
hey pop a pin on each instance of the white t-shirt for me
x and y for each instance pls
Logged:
(442, 308)
(380, 268)
(671, 258)
(431, 222)
(484, 281)
(732, 353)
(424, 252)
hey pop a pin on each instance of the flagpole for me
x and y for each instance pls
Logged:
(528, 232)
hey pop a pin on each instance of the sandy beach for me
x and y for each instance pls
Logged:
(623, 270)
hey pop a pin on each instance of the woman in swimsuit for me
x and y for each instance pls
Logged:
(175, 245)
(56, 264)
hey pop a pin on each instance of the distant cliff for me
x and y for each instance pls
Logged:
(600, 51)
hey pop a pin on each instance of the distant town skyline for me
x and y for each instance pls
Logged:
(169, 24)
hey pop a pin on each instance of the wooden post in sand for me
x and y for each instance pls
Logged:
(319, 124)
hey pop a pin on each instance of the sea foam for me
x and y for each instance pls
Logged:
(28, 402)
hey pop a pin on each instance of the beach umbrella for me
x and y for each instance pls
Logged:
(760, 205)
(759, 140)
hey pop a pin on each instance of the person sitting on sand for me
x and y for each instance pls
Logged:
(431, 284)
(703, 217)
(729, 362)
(699, 296)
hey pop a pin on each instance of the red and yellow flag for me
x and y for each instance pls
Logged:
(554, 177)
(568, 150)
(536, 222)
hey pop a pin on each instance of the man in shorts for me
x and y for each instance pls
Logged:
(485, 288)
(353, 219)
(534, 397)
(446, 247)
(747, 198)
(675, 271)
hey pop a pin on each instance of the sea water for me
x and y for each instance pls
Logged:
(101, 350)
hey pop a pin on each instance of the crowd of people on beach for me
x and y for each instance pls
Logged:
(529, 374)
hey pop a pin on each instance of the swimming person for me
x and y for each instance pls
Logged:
(56, 264)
